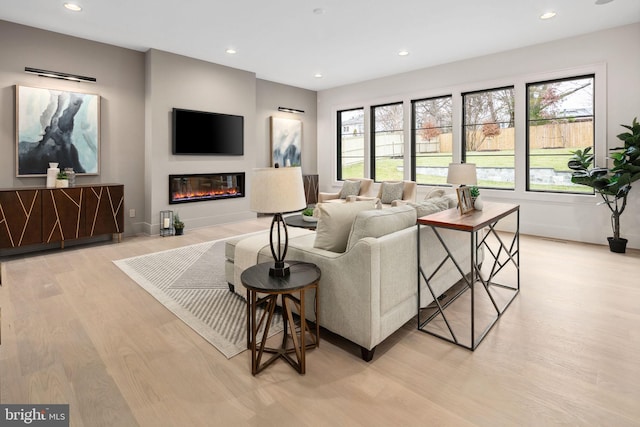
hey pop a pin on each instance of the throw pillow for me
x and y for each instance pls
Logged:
(350, 188)
(377, 223)
(434, 193)
(433, 205)
(391, 191)
(334, 223)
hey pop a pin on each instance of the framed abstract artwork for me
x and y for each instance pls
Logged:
(56, 126)
(286, 142)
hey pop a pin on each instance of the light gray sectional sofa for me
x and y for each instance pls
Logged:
(368, 259)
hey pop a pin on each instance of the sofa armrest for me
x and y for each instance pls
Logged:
(365, 198)
(323, 197)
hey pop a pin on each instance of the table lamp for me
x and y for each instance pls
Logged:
(276, 191)
(462, 174)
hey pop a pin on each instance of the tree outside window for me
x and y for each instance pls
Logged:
(387, 142)
(489, 136)
(560, 116)
(432, 141)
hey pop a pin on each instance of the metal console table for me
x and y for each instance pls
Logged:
(481, 226)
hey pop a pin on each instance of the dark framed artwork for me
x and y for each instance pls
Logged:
(56, 126)
(286, 142)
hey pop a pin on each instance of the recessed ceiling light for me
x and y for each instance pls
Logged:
(231, 51)
(73, 7)
(318, 75)
(318, 11)
(603, 1)
(403, 53)
(547, 15)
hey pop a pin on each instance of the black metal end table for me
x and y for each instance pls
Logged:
(303, 276)
(505, 254)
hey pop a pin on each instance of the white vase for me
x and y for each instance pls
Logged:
(477, 205)
(52, 173)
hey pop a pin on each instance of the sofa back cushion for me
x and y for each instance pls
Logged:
(380, 222)
(334, 223)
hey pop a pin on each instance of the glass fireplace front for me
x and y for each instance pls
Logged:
(205, 186)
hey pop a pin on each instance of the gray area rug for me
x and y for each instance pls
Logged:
(190, 282)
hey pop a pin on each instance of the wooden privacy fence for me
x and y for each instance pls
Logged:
(562, 135)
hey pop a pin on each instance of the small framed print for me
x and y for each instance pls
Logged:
(465, 202)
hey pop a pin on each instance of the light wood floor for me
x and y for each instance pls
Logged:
(76, 330)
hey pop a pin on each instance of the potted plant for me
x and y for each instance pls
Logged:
(612, 184)
(307, 215)
(475, 197)
(62, 181)
(178, 225)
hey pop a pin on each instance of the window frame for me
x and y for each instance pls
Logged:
(463, 133)
(413, 130)
(339, 140)
(372, 134)
(527, 145)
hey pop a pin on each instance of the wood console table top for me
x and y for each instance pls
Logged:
(471, 221)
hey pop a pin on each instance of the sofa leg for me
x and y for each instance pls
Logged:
(231, 287)
(367, 354)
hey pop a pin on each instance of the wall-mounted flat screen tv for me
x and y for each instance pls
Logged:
(200, 132)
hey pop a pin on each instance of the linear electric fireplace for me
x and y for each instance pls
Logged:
(205, 186)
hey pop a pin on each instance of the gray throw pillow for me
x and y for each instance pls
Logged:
(391, 192)
(350, 188)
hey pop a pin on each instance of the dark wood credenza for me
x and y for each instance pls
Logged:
(31, 216)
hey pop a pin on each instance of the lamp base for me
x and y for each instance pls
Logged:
(279, 270)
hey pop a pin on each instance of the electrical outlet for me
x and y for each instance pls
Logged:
(132, 213)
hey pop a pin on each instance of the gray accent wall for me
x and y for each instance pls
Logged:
(138, 92)
(120, 84)
(273, 95)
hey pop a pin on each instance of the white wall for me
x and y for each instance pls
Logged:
(611, 54)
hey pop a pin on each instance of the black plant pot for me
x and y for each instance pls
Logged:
(179, 231)
(617, 245)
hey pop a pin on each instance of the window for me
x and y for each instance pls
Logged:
(431, 140)
(560, 119)
(489, 137)
(351, 143)
(387, 142)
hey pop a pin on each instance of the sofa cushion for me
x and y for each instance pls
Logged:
(350, 188)
(334, 223)
(377, 223)
(391, 191)
(432, 205)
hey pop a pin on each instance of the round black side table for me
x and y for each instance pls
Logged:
(304, 276)
(297, 221)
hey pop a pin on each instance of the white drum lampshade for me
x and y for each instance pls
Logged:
(462, 174)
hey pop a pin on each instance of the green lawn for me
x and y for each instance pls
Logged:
(391, 169)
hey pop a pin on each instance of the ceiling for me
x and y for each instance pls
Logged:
(347, 41)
